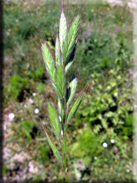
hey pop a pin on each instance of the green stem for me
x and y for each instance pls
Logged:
(65, 162)
(64, 141)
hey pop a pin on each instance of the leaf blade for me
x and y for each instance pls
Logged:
(62, 29)
(57, 51)
(53, 116)
(60, 81)
(71, 89)
(48, 59)
(74, 108)
(71, 38)
(69, 60)
(53, 147)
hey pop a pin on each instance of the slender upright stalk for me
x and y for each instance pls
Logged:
(65, 161)
(64, 140)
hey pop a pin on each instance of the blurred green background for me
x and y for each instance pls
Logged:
(99, 138)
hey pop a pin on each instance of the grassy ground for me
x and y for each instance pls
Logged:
(103, 57)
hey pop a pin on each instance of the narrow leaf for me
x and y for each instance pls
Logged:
(68, 66)
(57, 51)
(74, 108)
(55, 88)
(62, 29)
(71, 89)
(70, 58)
(60, 81)
(53, 147)
(53, 116)
(60, 108)
(70, 40)
(49, 62)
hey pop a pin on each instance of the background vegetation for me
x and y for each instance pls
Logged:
(99, 139)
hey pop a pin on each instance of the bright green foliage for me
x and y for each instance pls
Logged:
(71, 39)
(53, 147)
(71, 90)
(49, 62)
(60, 81)
(68, 66)
(74, 108)
(87, 145)
(54, 120)
(109, 106)
(127, 128)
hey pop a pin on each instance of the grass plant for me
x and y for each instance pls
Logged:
(104, 45)
(66, 41)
